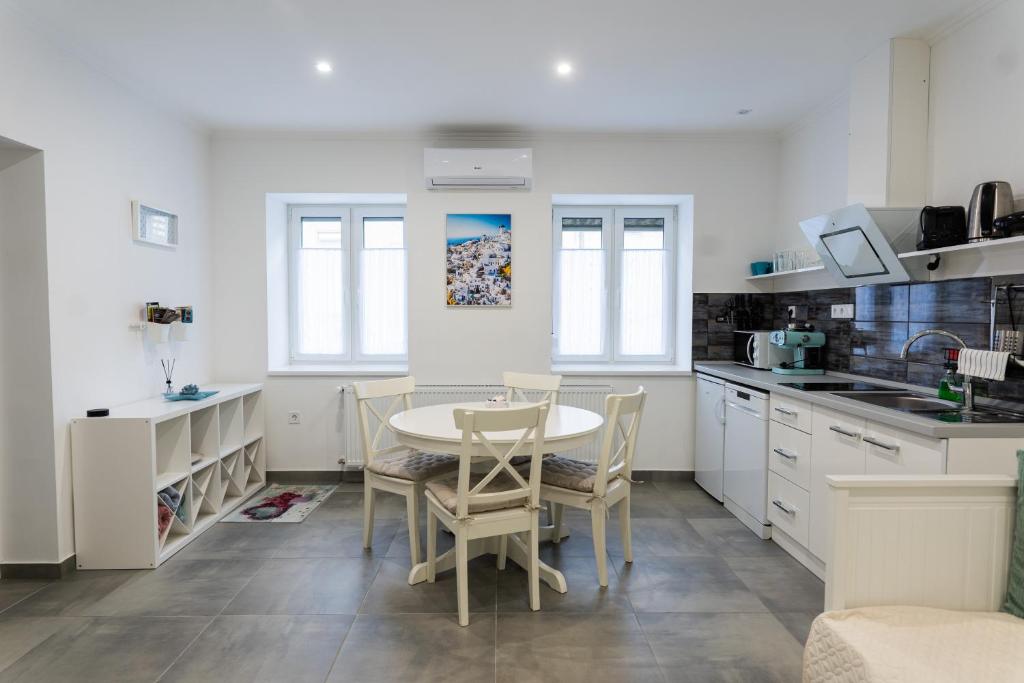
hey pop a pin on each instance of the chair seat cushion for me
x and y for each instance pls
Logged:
(570, 474)
(447, 493)
(417, 466)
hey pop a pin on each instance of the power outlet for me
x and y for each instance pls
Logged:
(842, 311)
(294, 417)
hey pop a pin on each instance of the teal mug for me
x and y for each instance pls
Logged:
(760, 267)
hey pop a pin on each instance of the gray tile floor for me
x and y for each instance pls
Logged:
(704, 601)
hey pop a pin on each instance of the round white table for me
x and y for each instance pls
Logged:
(432, 429)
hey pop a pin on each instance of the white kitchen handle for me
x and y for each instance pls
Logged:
(720, 405)
(782, 506)
(750, 353)
(888, 447)
(839, 430)
(743, 409)
(785, 454)
(785, 411)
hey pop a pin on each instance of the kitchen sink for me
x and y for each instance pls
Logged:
(900, 400)
(933, 408)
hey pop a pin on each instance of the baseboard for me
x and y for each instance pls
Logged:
(38, 570)
(314, 476)
(661, 475)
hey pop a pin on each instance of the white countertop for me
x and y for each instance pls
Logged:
(769, 381)
(159, 409)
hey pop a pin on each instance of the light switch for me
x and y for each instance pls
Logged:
(842, 311)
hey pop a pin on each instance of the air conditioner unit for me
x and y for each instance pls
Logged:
(478, 169)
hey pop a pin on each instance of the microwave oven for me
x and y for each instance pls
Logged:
(752, 348)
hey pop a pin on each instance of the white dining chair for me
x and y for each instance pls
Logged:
(499, 502)
(599, 486)
(517, 384)
(394, 469)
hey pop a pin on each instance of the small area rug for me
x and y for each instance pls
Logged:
(282, 503)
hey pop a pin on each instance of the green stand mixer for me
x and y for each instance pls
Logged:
(807, 353)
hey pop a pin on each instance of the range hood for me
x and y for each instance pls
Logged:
(858, 245)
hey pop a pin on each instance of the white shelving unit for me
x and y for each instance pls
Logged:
(211, 452)
(786, 273)
(972, 246)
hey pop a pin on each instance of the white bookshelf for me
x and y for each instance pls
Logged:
(211, 451)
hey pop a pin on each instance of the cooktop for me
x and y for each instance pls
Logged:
(833, 386)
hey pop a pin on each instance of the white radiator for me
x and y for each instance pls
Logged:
(587, 396)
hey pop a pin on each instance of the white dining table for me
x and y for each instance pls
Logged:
(432, 429)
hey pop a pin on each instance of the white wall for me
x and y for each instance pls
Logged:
(734, 186)
(102, 147)
(26, 408)
(977, 106)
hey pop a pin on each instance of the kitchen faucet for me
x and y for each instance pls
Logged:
(968, 388)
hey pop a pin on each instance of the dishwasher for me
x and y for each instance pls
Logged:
(746, 457)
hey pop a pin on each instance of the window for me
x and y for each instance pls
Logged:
(614, 284)
(347, 283)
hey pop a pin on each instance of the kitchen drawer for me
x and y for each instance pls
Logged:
(894, 451)
(788, 508)
(792, 412)
(789, 454)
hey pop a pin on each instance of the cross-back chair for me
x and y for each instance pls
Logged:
(395, 469)
(599, 486)
(498, 500)
(517, 384)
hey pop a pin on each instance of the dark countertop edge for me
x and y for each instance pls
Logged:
(768, 381)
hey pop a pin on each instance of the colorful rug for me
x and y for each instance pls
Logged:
(281, 503)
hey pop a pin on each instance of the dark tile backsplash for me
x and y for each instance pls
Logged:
(885, 316)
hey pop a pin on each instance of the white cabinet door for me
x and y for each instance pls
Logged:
(837, 447)
(710, 442)
(894, 451)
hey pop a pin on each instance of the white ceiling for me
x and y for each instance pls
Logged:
(641, 65)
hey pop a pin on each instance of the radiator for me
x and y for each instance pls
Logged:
(587, 396)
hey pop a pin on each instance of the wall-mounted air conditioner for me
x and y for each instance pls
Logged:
(478, 169)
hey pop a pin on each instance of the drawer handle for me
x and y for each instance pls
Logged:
(785, 454)
(839, 430)
(782, 506)
(888, 447)
(786, 412)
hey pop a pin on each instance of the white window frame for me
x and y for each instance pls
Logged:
(351, 217)
(612, 239)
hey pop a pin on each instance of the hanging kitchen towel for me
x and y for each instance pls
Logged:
(983, 364)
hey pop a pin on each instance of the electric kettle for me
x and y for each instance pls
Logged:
(990, 201)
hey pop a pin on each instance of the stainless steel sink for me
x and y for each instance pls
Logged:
(933, 408)
(900, 400)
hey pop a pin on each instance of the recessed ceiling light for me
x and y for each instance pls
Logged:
(563, 68)
(744, 112)
(324, 67)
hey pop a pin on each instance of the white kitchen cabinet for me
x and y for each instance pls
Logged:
(837, 447)
(894, 451)
(710, 442)
(788, 508)
(789, 454)
(792, 412)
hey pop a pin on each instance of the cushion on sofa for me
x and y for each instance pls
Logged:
(1015, 581)
(910, 644)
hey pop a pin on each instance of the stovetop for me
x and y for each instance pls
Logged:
(834, 386)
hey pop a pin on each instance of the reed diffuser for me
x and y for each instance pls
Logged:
(168, 365)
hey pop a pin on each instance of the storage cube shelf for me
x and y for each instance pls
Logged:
(211, 452)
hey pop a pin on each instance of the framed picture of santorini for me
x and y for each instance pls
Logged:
(478, 260)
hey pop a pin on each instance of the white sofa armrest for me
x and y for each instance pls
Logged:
(926, 540)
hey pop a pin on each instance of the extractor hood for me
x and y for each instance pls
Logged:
(858, 245)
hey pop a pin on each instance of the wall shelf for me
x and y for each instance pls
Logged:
(972, 246)
(141, 449)
(786, 273)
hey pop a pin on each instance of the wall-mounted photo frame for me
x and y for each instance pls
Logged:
(478, 259)
(154, 226)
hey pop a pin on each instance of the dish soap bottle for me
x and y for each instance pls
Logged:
(949, 388)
